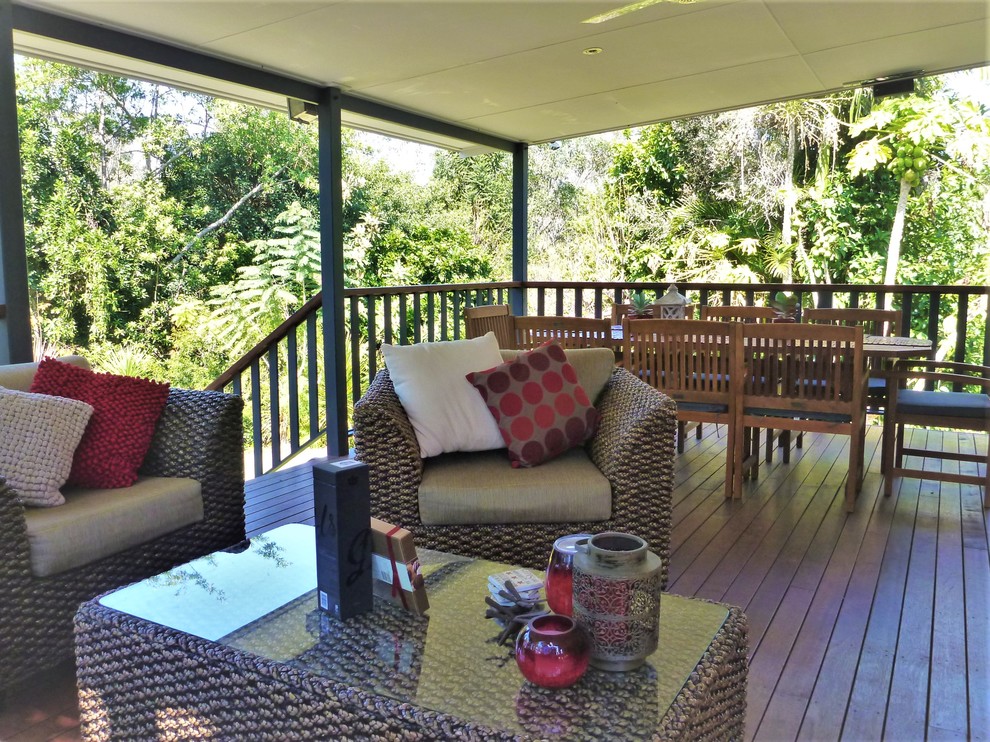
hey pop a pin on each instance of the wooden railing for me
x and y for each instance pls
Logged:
(284, 392)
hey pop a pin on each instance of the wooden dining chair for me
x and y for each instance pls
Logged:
(570, 332)
(959, 401)
(690, 362)
(738, 314)
(487, 318)
(881, 322)
(783, 440)
(803, 378)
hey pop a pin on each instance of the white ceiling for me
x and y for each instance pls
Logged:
(516, 68)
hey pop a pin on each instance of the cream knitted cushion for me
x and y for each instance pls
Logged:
(38, 436)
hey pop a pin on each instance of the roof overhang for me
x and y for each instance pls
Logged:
(517, 71)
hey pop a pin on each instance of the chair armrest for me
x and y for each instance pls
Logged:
(200, 435)
(634, 446)
(384, 439)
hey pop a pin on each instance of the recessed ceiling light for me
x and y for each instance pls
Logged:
(631, 8)
(592, 51)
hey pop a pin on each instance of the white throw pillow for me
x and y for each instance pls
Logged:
(38, 436)
(446, 412)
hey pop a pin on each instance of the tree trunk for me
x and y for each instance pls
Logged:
(785, 230)
(894, 249)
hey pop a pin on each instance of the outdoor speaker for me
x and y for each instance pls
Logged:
(342, 505)
(903, 86)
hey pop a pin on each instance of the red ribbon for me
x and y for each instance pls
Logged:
(396, 584)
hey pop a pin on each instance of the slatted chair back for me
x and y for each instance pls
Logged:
(571, 332)
(960, 400)
(805, 378)
(882, 322)
(621, 311)
(491, 318)
(691, 362)
(738, 314)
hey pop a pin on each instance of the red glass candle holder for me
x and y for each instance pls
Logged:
(560, 578)
(553, 651)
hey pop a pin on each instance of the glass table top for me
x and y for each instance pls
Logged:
(263, 601)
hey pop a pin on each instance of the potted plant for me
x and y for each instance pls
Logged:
(639, 306)
(785, 305)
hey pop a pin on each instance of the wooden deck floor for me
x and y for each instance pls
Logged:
(867, 626)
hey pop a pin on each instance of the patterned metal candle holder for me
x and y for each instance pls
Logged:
(617, 599)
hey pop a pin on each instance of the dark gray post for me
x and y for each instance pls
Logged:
(332, 266)
(15, 319)
(520, 225)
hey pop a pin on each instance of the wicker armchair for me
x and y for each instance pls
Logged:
(199, 435)
(633, 448)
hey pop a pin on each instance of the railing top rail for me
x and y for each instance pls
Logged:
(293, 321)
(743, 287)
(435, 288)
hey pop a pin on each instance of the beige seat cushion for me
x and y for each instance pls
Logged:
(482, 487)
(593, 366)
(95, 523)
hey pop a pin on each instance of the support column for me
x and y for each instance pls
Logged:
(520, 225)
(15, 314)
(332, 266)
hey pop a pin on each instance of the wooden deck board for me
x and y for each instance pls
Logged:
(864, 626)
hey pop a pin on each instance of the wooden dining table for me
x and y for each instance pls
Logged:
(874, 346)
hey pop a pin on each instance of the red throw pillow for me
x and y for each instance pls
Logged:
(125, 411)
(539, 407)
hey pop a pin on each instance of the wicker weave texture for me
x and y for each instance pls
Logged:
(141, 681)
(200, 435)
(634, 449)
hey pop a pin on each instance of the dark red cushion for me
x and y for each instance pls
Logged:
(538, 404)
(125, 411)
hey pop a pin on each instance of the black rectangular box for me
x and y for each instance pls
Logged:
(342, 505)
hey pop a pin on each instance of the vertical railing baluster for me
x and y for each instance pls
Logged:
(292, 367)
(456, 319)
(431, 316)
(907, 306)
(259, 463)
(854, 300)
(934, 309)
(540, 303)
(372, 344)
(403, 329)
(355, 350)
(598, 303)
(726, 298)
(417, 318)
(443, 317)
(986, 329)
(313, 375)
(962, 315)
(559, 306)
(273, 404)
(387, 311)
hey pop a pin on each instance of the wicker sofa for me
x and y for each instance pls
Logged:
(633, 448)
(199, 436)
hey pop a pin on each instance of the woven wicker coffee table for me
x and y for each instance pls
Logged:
(232, 646)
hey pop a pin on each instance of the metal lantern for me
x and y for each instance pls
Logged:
(672, 304)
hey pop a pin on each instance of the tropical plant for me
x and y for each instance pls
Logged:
(639, 305)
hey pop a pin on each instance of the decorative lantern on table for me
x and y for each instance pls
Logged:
(671, 304)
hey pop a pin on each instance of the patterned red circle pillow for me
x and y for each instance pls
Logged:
(538, 404)
(125, 412)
